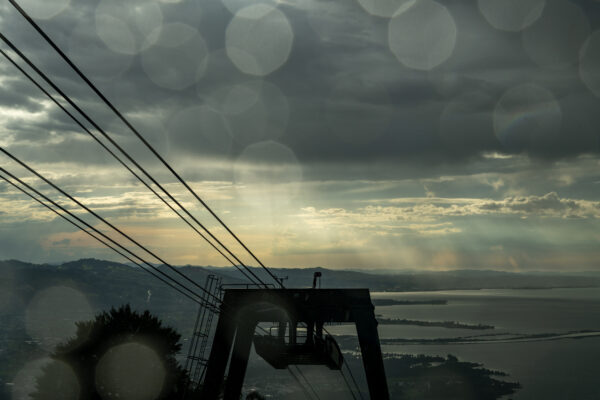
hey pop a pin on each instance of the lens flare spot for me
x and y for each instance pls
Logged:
(46, 377)
(527, 117)
(44, 9)
(95, 58)
(555, 39)
(130, 371)
(589, 63)
(255, 110)
(382, 8)
(128, 27)
(51, 315)
(7, 285)
(259, 39)
(178, 59)
(422, 34)
(511, 15)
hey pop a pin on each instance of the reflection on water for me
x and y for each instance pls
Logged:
(565, 369)
(557, 369)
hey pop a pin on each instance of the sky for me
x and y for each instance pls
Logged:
(358, 134)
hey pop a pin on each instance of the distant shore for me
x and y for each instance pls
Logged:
(391, 302)
(442, 324)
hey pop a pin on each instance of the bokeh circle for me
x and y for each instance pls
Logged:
(382, 8)
(527, 117)
(51, 316)
(131, 371)
(43, 375)
(128, 26)
(511, 15)
(589, 63)
(177, 59)
(555, 39)
(259, 39)
(45, 9)
(422, 34)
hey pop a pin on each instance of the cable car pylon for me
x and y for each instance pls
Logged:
(235, 334)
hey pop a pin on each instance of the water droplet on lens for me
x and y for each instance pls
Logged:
(422, 34)
(45, 9)
(177, 59)
(131, 371)
(555, 39)
(128, 26)
(511, 15)
(52, 313)
(527, 117)
(92, 55)
(382, 8)
(259, 39)
(589, 63)
(59, 377)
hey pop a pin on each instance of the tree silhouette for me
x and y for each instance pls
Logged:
(120, 354)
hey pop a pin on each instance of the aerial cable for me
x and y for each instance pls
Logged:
(314, 392)
(348, 384)
(28, 76)
(4, 171)
(204, 299)
(24, 165)
(103, 133)
(118, 159)
(71, 214)
(97, 238)
(307, 394)
(354, 381)
(106, 237)
(135, 131)
(144, 141)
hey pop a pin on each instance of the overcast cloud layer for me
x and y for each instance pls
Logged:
(358, 134)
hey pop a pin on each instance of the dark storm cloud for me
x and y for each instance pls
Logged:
(350, 100)
(18, 94)
(484, 61)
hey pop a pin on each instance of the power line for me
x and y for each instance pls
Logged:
(106, 237)
(127, 167)
(354, 381)
(97, 140)
(4, 171)
(204, 299)
(307, 382)
(135, 131)
(121, 150)
(145, 142)
(348, 384)
(24, 165)
(304, 390)
(28, 76)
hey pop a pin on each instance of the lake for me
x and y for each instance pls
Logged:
(561, 368)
